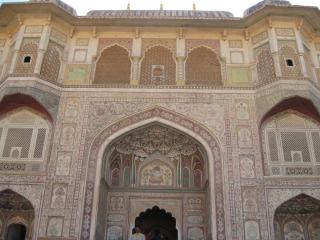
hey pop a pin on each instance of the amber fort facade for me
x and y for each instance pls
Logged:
(200, 124)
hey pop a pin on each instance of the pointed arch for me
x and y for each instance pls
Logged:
(203, 67)
(293, 215)
(97, 147)
(18, 100)
(296, 103)
(113, 66)
(18, 211)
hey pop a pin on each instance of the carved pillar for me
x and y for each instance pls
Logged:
(301, 53)
(181, 57)
(224, 48)
(274, 51)
(17, 47)
(136, 57)
(44, 41)
(181, 81)
(135, 72)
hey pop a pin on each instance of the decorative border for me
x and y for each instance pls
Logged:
(166, 115)
(213, 44)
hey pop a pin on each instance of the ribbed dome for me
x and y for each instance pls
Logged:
(262, 4)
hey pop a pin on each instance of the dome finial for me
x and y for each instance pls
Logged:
(128, 6)
(161, 6)
(194, 7)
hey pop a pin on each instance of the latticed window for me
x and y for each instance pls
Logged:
(292, 145)
(23, 136)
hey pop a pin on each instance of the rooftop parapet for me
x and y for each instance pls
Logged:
(162, 14)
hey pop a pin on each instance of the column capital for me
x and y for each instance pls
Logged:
(136, 58)
(181, 58)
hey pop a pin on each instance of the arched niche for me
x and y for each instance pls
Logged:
(290, 138)
(18, 215)
(25, 131)
(294, 219)
(203, 67)
(158, 67)
(113, 66)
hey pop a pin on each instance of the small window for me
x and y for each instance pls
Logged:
(289, 62)
(296, 156)
(157, 71)
(27, 59)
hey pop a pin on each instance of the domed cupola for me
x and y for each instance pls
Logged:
(262, 4)
(59, 3)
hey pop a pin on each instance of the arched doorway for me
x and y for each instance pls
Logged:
(154, 165)
(16, 215)
(298, 219)
(157, 221)
(16, 232)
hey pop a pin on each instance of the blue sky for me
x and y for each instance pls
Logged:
(237, 7)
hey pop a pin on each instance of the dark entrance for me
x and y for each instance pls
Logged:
(16, 232)
(157, 220)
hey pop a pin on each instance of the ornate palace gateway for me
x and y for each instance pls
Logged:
(196, 124)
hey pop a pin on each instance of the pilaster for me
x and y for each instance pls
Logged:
(136, 57)
(17, 47)
(181, 57)
(301, 52)
(44, 41)
(274, 50)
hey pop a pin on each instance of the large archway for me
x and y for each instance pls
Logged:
(95, 189)
(157, 222)
(159, 164)
(298, 219)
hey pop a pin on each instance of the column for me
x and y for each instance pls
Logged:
(17, 47)
(135, 73)
(274, 50)
(301, 53)
(136, 57)
(44, 40)
(181, 57)
(224, 48)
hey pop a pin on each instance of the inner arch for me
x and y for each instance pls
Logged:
(151, 150)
